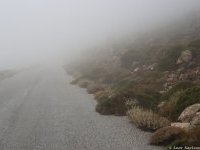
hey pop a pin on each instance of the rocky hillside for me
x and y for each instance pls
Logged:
(155, 80)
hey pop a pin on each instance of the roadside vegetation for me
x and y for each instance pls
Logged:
(147, 119)
(153, 82)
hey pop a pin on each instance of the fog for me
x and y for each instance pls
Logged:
(44, 31)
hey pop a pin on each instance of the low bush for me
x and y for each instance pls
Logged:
(114, 76)
(114, 105)
(167, 135)
(123, 85)
(132, 55)
(179, 101)
(168, 61)
(177, 87)
(101, 95)
(148, 99)
(93, 88)
(149, 80)
(145, 88)
(147, 119)
(191, 138)
(189, 97)
(168, 108)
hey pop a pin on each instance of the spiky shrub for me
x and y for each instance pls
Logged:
(147, 119)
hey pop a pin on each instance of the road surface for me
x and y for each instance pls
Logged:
(40, 110)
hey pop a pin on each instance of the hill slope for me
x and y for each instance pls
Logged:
(158, 72)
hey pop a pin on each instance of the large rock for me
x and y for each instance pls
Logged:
(186, 126)
(189, 113)
(185, 57)
(196, 119)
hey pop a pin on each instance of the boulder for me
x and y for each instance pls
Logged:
(185, 126)
(189, 113)
(196, 119)
(185, 57)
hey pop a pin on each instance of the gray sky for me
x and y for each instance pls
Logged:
(32, 31)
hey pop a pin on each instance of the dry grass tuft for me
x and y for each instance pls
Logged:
(147, 119)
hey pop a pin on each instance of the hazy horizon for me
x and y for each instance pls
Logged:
(38, 31)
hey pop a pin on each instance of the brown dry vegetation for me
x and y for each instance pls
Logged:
(175, 136)
(166, 135)
(114, 104)
(147, 119)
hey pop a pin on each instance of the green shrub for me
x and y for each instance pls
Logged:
(114, 76)
(94, 87)
(123, 85)
(101, 95)
(148, 99)
(179, 101)
(114, 105)
(147, 119)
(188, 97)
(178, 87)
(133, 55)
(152, 80)
(168, 61)
(195, 44)
(144, 88)
(168, 109)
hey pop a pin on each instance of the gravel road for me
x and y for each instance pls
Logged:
(40, 110)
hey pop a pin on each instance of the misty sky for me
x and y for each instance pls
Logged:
(35, 30)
